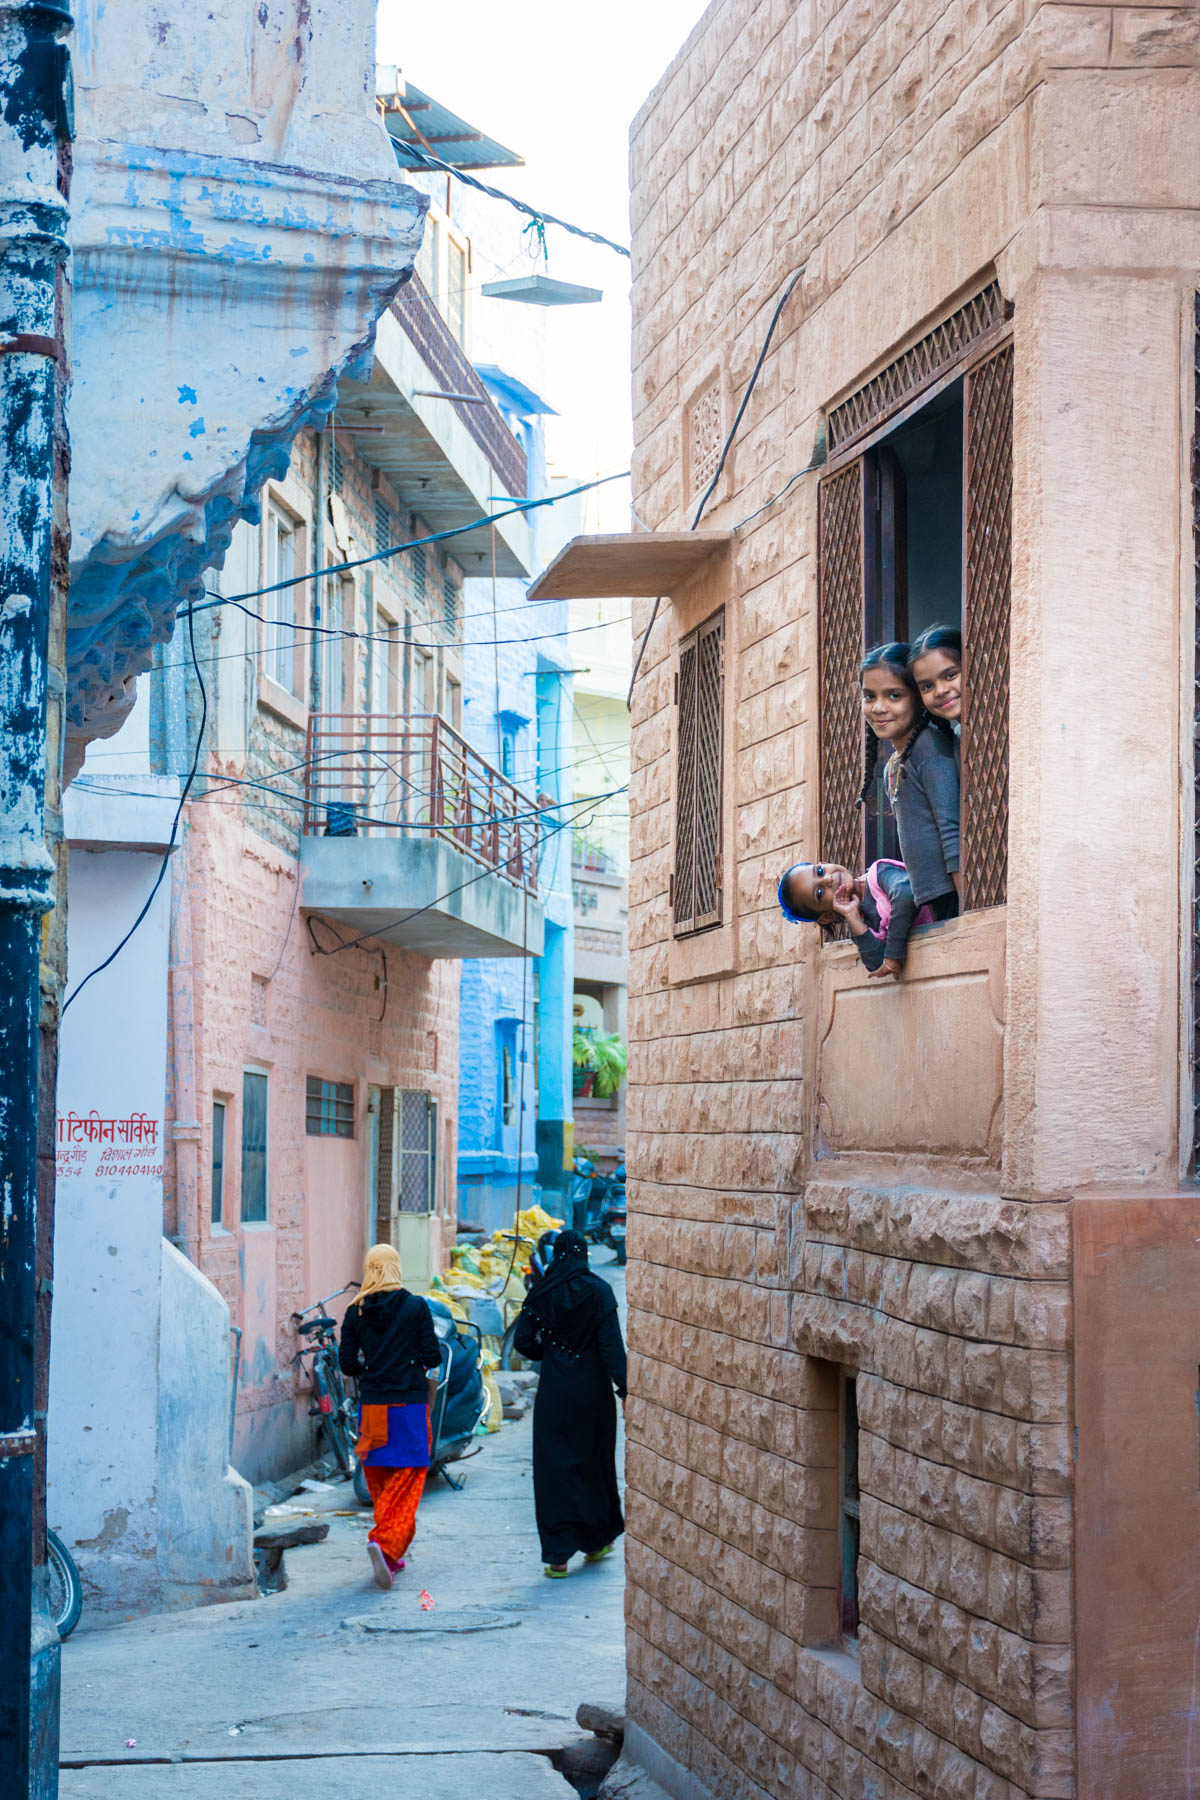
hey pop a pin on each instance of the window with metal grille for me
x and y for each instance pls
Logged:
(449, 605)
(217, 1211)
(385, 1171)
(699, 697)
(416, 563)
(848, 1502)
(417, 1186)
(383, 525)
(916, 530)
(329, 1108)
(337, 468)
(987, 605)
(254, 1148)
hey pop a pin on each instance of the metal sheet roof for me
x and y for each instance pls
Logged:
(437, 128)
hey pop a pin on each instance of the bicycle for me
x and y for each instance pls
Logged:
(66, 1589)
(333, 1409)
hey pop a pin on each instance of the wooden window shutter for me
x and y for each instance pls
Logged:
(987, 608)
(699, 781)
(841, 611)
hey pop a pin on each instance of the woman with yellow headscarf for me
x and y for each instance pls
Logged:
(389, 1345)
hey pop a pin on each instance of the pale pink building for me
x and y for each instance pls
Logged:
(913, 1269)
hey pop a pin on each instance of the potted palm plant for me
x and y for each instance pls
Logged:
(583, 1061)
(611, 1059)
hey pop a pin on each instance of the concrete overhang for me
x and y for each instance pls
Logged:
(637, 564)
(120, 812)
(420, 894)
(430, 456)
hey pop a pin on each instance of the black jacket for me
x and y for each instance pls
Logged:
(388, 1342)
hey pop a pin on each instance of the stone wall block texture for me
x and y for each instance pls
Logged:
(900, 149)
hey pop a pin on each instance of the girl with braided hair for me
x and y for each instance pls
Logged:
(920, 777)
(935, 663)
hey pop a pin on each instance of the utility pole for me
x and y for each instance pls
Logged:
(33, 250)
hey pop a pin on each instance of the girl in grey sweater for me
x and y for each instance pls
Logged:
(920, 777)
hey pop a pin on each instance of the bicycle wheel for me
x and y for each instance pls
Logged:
(330, 1415)
(66, 1589)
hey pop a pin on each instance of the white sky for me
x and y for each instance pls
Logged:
(558, 84)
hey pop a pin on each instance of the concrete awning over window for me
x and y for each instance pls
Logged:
(627, 563)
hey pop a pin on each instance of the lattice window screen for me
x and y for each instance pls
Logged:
(987, 606)
(705, 436)
(1195, 1160)
(918, 367)
(384, 1173)
(418, 1152)
(696, 884)
(842, 614)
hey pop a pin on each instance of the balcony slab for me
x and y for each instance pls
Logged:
(420, 894)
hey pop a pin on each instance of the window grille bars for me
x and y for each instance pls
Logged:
(916, 368)
(696, 883)
(840, 531)
(987, 608)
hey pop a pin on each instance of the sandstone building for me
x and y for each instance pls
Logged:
(912, 1438)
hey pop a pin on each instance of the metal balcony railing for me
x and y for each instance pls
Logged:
(451, 368)
(376, 775)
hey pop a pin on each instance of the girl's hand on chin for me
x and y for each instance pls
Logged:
(844, 897)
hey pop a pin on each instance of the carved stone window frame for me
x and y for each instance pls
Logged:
(945, 355)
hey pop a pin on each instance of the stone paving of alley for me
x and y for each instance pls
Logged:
(333, 1684)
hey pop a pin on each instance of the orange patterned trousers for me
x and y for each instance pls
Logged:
(396, 1494)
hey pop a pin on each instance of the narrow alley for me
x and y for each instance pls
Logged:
(333, 1682)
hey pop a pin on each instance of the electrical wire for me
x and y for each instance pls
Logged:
(435, 166)
(433, 537)
(187, 787)
(221, 784)
(725, 449)
(406, 917)
(382, 637)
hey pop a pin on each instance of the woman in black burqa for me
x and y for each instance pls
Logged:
(569, 1324)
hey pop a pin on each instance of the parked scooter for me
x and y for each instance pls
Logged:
(461, 1404)
(598, 1205)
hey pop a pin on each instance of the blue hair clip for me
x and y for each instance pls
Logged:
(793, 918)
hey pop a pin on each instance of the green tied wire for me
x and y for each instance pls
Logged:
(538, 226)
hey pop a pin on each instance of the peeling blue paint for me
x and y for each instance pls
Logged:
(196, 428)
(187, 395)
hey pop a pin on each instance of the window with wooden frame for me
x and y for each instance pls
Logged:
(915, 529)
(283, 652)
(254, 1147)
(328, 1108)
(696, 884)
(217, 1208)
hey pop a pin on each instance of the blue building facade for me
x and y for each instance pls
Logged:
(516, 1017)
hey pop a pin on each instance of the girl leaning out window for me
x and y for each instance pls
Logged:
(920, 777)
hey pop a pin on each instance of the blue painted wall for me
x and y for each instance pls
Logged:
(516, 690)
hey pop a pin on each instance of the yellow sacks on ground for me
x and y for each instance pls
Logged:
(438, 1287)
(534, 1220)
